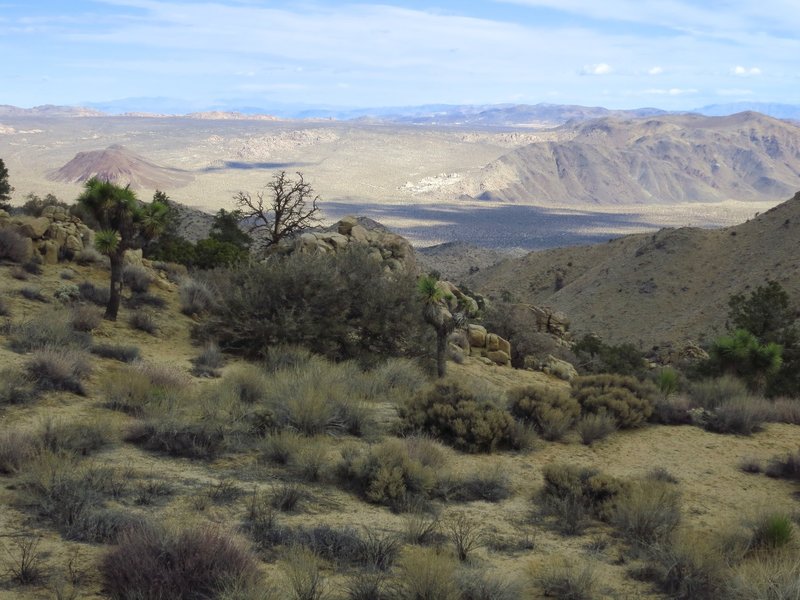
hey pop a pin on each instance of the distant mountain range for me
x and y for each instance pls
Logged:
(482, 115)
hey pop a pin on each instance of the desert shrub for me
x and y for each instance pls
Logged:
(464, 532)
(80, 437)
(282, 447)
(453, 414)
(672, 410)
(94, 294)
(288, 497)
(18, 273)
(89, 256)
(552, 412)
(490, 486)
(648, 511)
(285, 356)
(13, 246)
(208, 362)
(16, 387)
(140, 299)
(34, 205)
(422, 528)
(575, 495)
(563, 579)
(745, 355)
(24, 559)
(244, 383)
(33, 266)
(750, 465)
(143, 387)
(120, 352)
(367, 585)
(687, 568)
(16, 449)
(345, 546)
(302, 571)
(151, 563)
(765, 577)
(341, 305)
(595, 427)
(5, 307)
(785, 467)
(713, 393)
(785, 410)
(85, 318)
(667, 381)
(137, 278)
(316, 398)
(625, 398)
(176, 437)
(595, 356)
(425, 574)
(770, 531)
(395, 379)
(72, 497)
(741, 416)
(61, 369)
(67, 293)
(49, 328)
(143, 321)
(661, 474)
(33, 293)
(387, 474)
(196, 297)
(479, 584)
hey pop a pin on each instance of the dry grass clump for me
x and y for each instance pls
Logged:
(552, 412)
(143, 321)
(625, 398)
(388, 473)
(306, 458)
(562, 578)
(766, 577)
(303, 574)
(144, 388)
(17, 448)
(5, 307)
(480, 584)
(425, 574)
(137, 278)
(24, 559)
(16, 387)
(196, 297)
(743, 415)
(33, 293)
(152, 563)
(13, 246)
(396, 379)
(453, 414)
(646, 512)
(785, 467)
(713, 393)
(489, 485)
(770, 531)
(85, 318)
(81, 437)
(687, 567)
(89, 256)
(50, 328)
(94, 294)
(140, 299)
(595, 427)
(208, 362)
(62, 369)
(120, 352)
(574, 495)
(174, 436)
(464, 532)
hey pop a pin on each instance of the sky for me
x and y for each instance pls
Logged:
(670, 54)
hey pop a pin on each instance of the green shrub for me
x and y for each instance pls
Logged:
(624, 398)
(151, 563)
(59, 369)
(67, 293)
(550, 411)
(341, 305)
(744, 354)
(771, 530)
(595, 427)
(387, 474)
(453, 414)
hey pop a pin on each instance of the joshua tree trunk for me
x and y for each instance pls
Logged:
(441, 351)
(112, 308)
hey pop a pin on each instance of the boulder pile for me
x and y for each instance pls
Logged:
(53, 235)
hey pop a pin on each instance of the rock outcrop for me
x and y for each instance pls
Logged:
(53, 235)
(390, 249)
(476, 341)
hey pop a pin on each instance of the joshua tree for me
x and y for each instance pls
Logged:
(5, 187)
(125, 223)
(437, 316)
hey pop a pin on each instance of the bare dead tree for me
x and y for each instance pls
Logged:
(283, 208)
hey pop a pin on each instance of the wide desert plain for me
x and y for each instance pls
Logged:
(421, 181)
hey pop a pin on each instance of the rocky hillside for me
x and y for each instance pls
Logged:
(121, 166)
(671, 286)
(668, 158)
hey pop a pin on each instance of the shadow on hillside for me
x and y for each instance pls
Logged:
(503, 226)
(247, 166)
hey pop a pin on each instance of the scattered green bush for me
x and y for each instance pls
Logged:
(551, 412)
(451, 413)
(624, 398)
(771, 531)
(151, 563)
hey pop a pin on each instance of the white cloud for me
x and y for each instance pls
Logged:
(598, 69)
(741, 71)
(669, 91)
(655, 71)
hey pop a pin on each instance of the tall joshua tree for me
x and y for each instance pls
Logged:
(125, 223)
(437, 315)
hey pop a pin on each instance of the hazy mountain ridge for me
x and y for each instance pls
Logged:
(648, 289)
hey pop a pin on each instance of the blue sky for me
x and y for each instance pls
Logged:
(673, 54)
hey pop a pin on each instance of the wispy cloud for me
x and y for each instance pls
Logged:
(598, 69)
(655, 70)
(741, 71)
